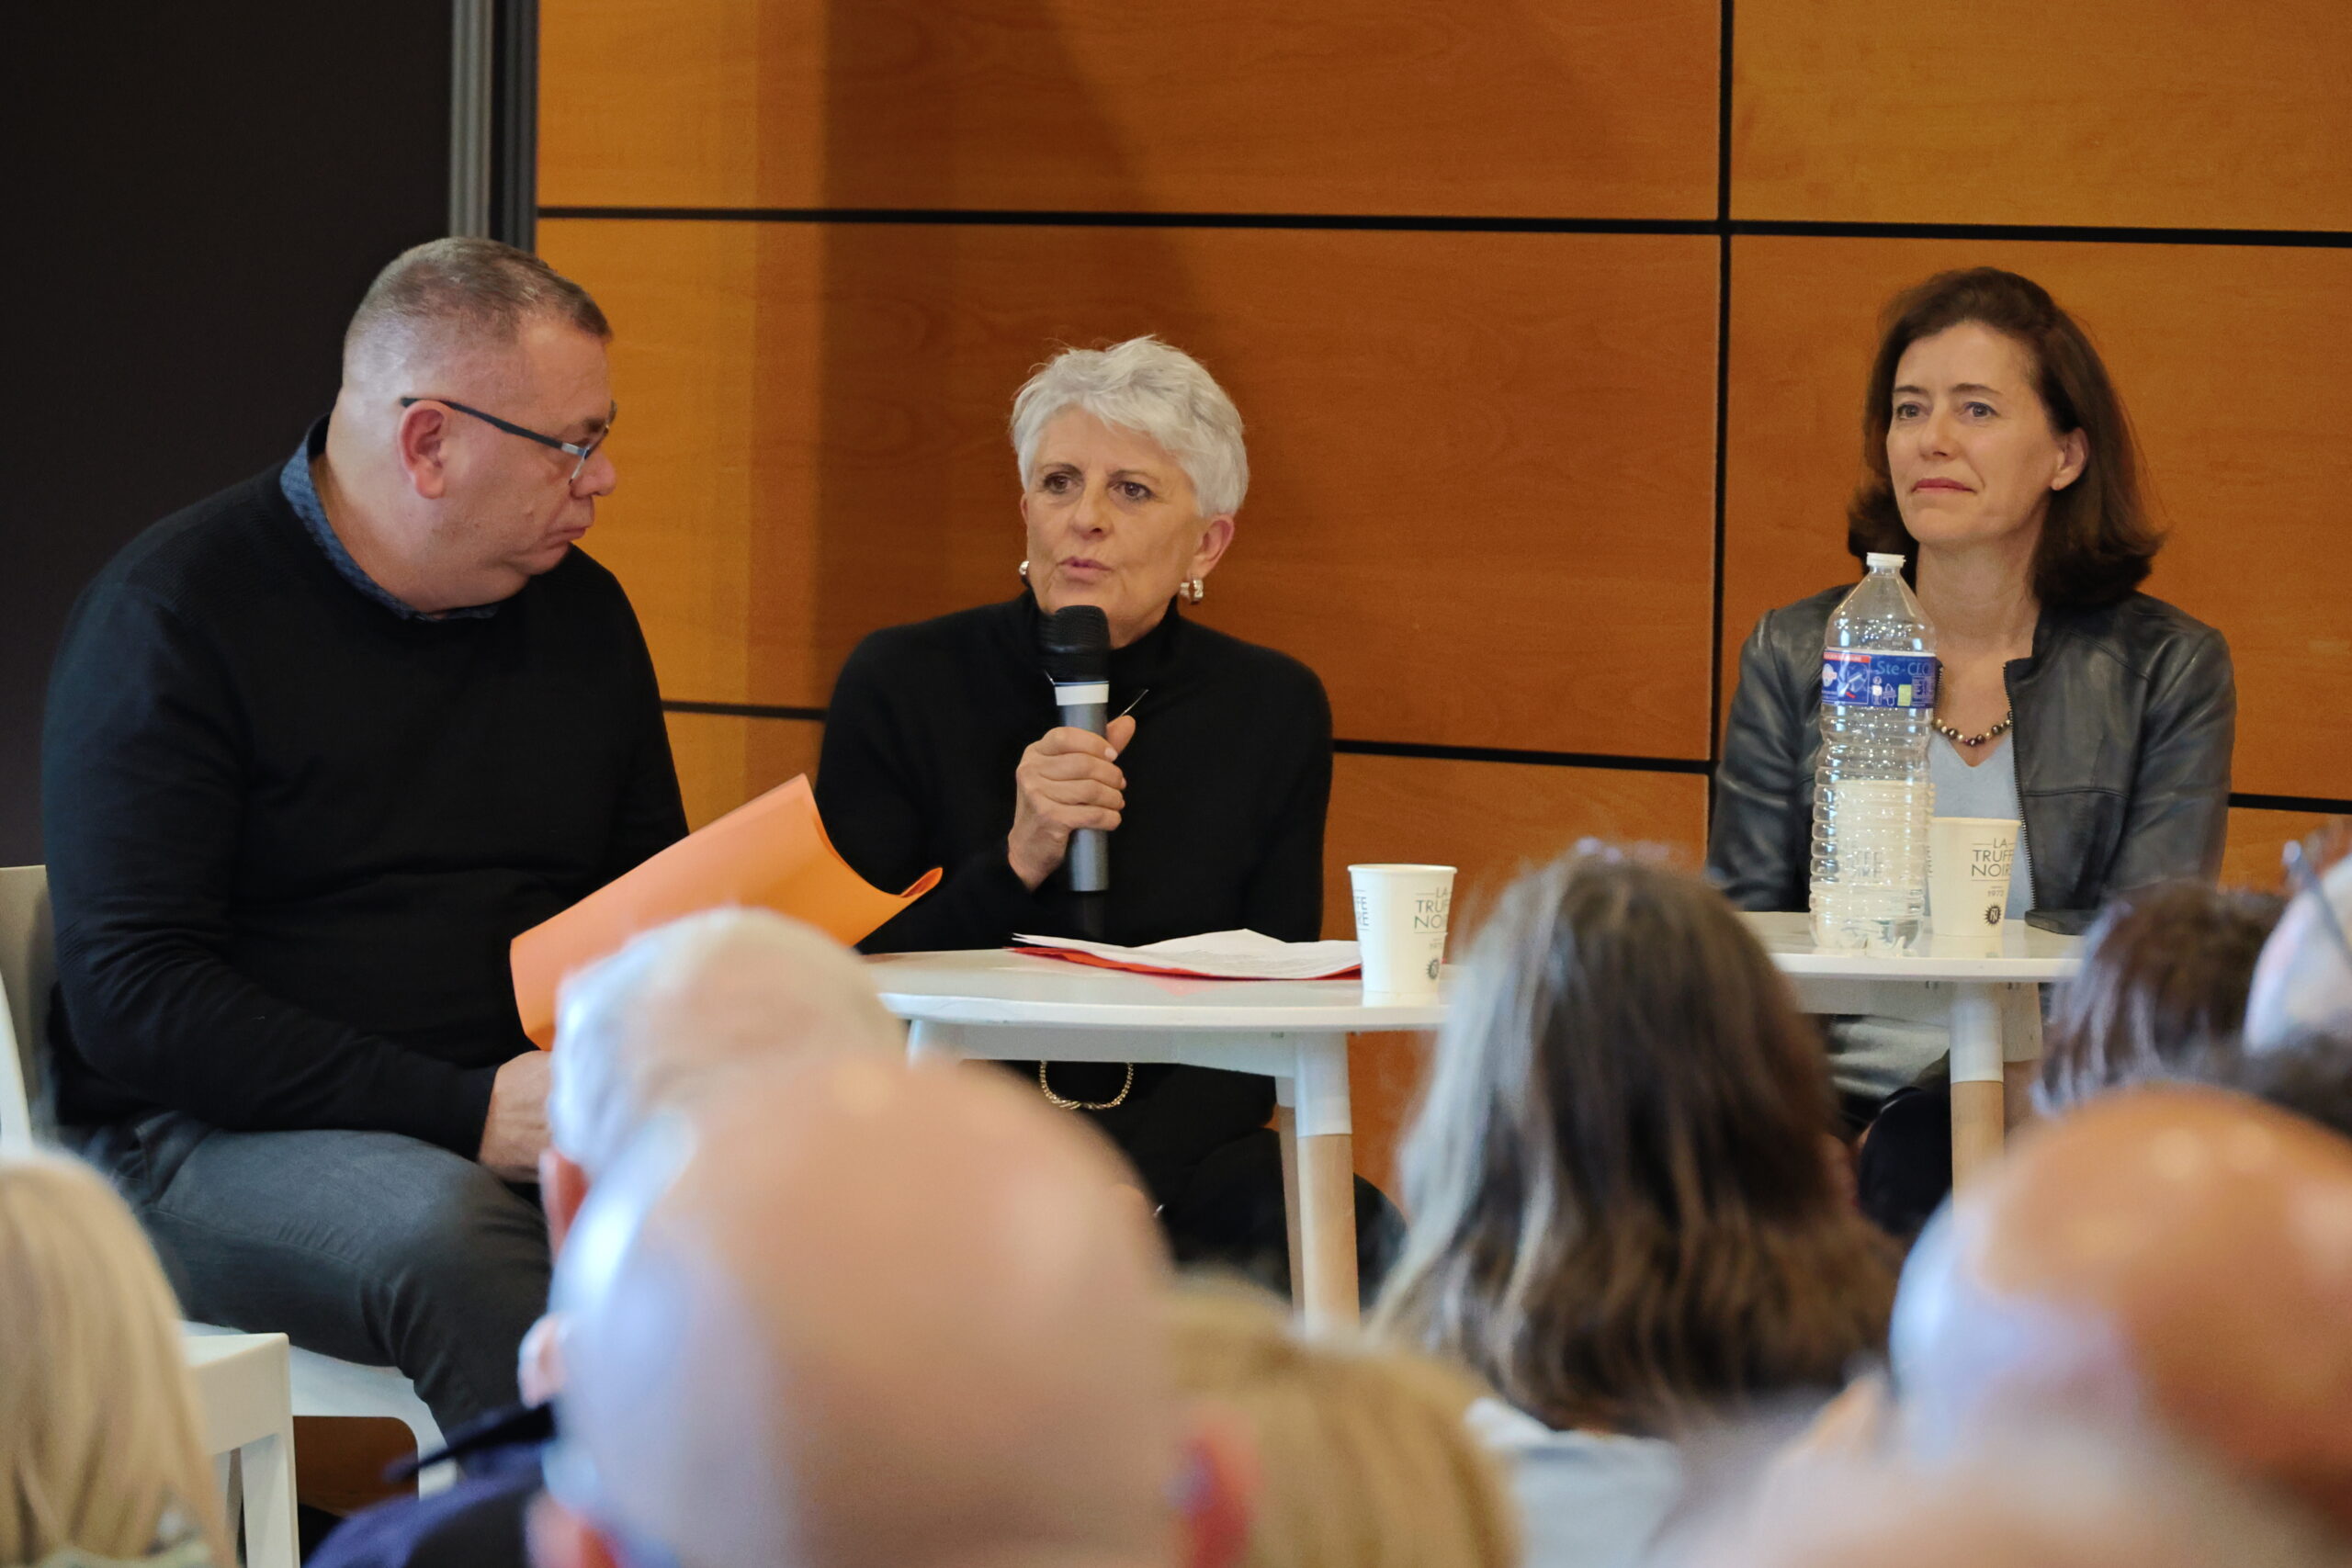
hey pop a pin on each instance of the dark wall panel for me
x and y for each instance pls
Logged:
(196, 201)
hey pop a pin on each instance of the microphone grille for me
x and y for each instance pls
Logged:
(1077, 643)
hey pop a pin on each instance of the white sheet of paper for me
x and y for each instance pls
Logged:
(1222, 956)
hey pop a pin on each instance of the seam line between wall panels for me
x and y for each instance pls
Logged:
(1609, 760)
(2323, 239)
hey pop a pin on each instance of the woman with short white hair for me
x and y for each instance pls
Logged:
(944, 747)
(100, 1458)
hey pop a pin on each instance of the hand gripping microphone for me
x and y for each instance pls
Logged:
(1076, 643)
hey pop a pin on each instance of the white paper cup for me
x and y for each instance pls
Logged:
(1401, 915)
(1969, 860)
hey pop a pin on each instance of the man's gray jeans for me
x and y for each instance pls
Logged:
(369, 1247)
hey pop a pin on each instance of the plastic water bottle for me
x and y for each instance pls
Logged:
(1872, 796)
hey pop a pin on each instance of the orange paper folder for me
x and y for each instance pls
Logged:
(771, 853)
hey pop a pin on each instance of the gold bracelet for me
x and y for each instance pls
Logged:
(1061, 1104)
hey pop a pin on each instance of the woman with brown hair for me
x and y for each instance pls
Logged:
(2161, 991)
(1624, 1218)
(1997, 458)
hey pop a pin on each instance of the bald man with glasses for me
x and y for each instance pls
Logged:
(316, 749)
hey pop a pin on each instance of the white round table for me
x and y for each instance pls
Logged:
(1010, 1005)
(1990, 1000)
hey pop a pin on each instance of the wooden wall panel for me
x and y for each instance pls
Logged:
(2161, 113)
(724, 759)
(2228, 357)
(1492, 819)
(714, 354)
(1144, 106)
(1489, 819)
(1482, 462)
(2256, 838)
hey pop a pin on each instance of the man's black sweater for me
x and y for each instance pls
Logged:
(290, 832)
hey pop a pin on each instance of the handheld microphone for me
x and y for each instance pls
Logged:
(1076, 643)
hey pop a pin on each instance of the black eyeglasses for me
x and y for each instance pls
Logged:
(571, 447)
(2303, 870)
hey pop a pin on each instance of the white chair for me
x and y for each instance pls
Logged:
(27, 963)
(245, 1398)
(322, 1386)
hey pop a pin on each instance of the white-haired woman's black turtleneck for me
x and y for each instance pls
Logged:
(1227, 779)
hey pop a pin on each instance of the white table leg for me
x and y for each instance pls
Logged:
(1286, 1136)
(2021, 1049)
(931, 1041)
(272, 1535)
(1326, 1286)
(1979, 1113)
(228, 1485)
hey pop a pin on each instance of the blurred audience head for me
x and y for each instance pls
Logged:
(857, 1314)
(2045, 1498)
(2310, 1075)
(2302, 985)
(2162, 985)
(101, 1453)
(1623, 1215)
(652, 1024)
(1363, 1458)
(2167, 1254)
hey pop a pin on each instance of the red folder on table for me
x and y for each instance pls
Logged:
(771, 854)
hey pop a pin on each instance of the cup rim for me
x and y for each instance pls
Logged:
(1397, 865)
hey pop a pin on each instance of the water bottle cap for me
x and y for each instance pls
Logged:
(1877, 562)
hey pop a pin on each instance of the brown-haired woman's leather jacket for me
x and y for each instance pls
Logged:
(2125, 716)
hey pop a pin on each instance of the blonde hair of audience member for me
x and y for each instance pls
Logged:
(856, 1312)
(2162, 985)
(2163, 1254)
(2046, 1497)
(1623, 1217)
(650, 1025)
(99, 1445)
(1362, 1455)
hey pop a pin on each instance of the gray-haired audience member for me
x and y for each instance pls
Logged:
(656, 1026)
(2302, 984)
(643, 1030)
(856, 1313)
(316, 749)
(651, 1027)
(2167, 1257)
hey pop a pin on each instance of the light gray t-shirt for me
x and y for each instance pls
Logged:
(1586, 1499)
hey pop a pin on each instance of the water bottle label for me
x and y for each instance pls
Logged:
(1878, 680)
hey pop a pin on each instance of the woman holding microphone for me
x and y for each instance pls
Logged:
(943, 747)
(1997, 458)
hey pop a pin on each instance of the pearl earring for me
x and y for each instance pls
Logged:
(1195, 591)
(1024, 571)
